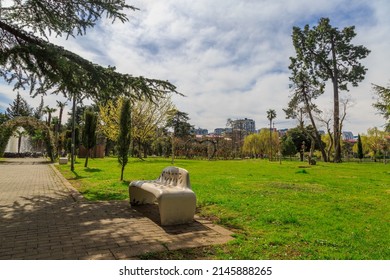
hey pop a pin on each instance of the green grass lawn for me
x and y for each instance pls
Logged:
(277, 211)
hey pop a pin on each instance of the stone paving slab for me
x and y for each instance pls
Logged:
(43, 217)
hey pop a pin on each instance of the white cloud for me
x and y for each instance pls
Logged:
(230, 58)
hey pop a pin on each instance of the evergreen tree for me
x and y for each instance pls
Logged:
(300, 139)
(383, 102)
(68, 139)
(124, 137)
(178, 121)
(329, 54)
(29, 60)
(79, 114)
(306, 88)
(3, 118)
(360, 148)
(39, 111)
(19, 108)
(288, 147)
(89, 132)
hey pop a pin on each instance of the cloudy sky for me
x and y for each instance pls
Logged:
(230, 58)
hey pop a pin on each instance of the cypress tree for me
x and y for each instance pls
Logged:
(124, 137)
(89, 132)
(360, 148)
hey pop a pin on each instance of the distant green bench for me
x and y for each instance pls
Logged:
(172, 191)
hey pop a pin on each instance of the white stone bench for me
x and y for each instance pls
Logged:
(172, 191)
(63, 160)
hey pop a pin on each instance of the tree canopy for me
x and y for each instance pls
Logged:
(306, 87)
(147, 118)
(383, 102)
(259, 144)
(178, 121)
(29, 60)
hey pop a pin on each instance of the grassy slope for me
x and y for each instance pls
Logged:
(328, 211)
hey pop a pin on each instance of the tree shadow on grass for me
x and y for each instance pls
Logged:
(92, 170)
(98, 195)
(77, 176)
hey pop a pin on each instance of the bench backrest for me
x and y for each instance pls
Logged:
(175, 176)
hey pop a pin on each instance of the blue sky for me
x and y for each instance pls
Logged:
(230, 58)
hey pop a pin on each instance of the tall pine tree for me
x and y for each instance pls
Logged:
(329, 55)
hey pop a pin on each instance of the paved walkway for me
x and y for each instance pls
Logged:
(43, 217)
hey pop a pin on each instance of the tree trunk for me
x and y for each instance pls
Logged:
(19, 143)
(58, 130)
(336, 128)
(173, 149)
(60, 119)
(122, 171)
(336, 109)
(317, 135)
(329, 150)
(312, 148)
(145, 149)
(72, 153)
(270, 139)
(86, 158)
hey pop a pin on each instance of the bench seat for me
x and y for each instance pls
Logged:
(172, 191)
(63, 160)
